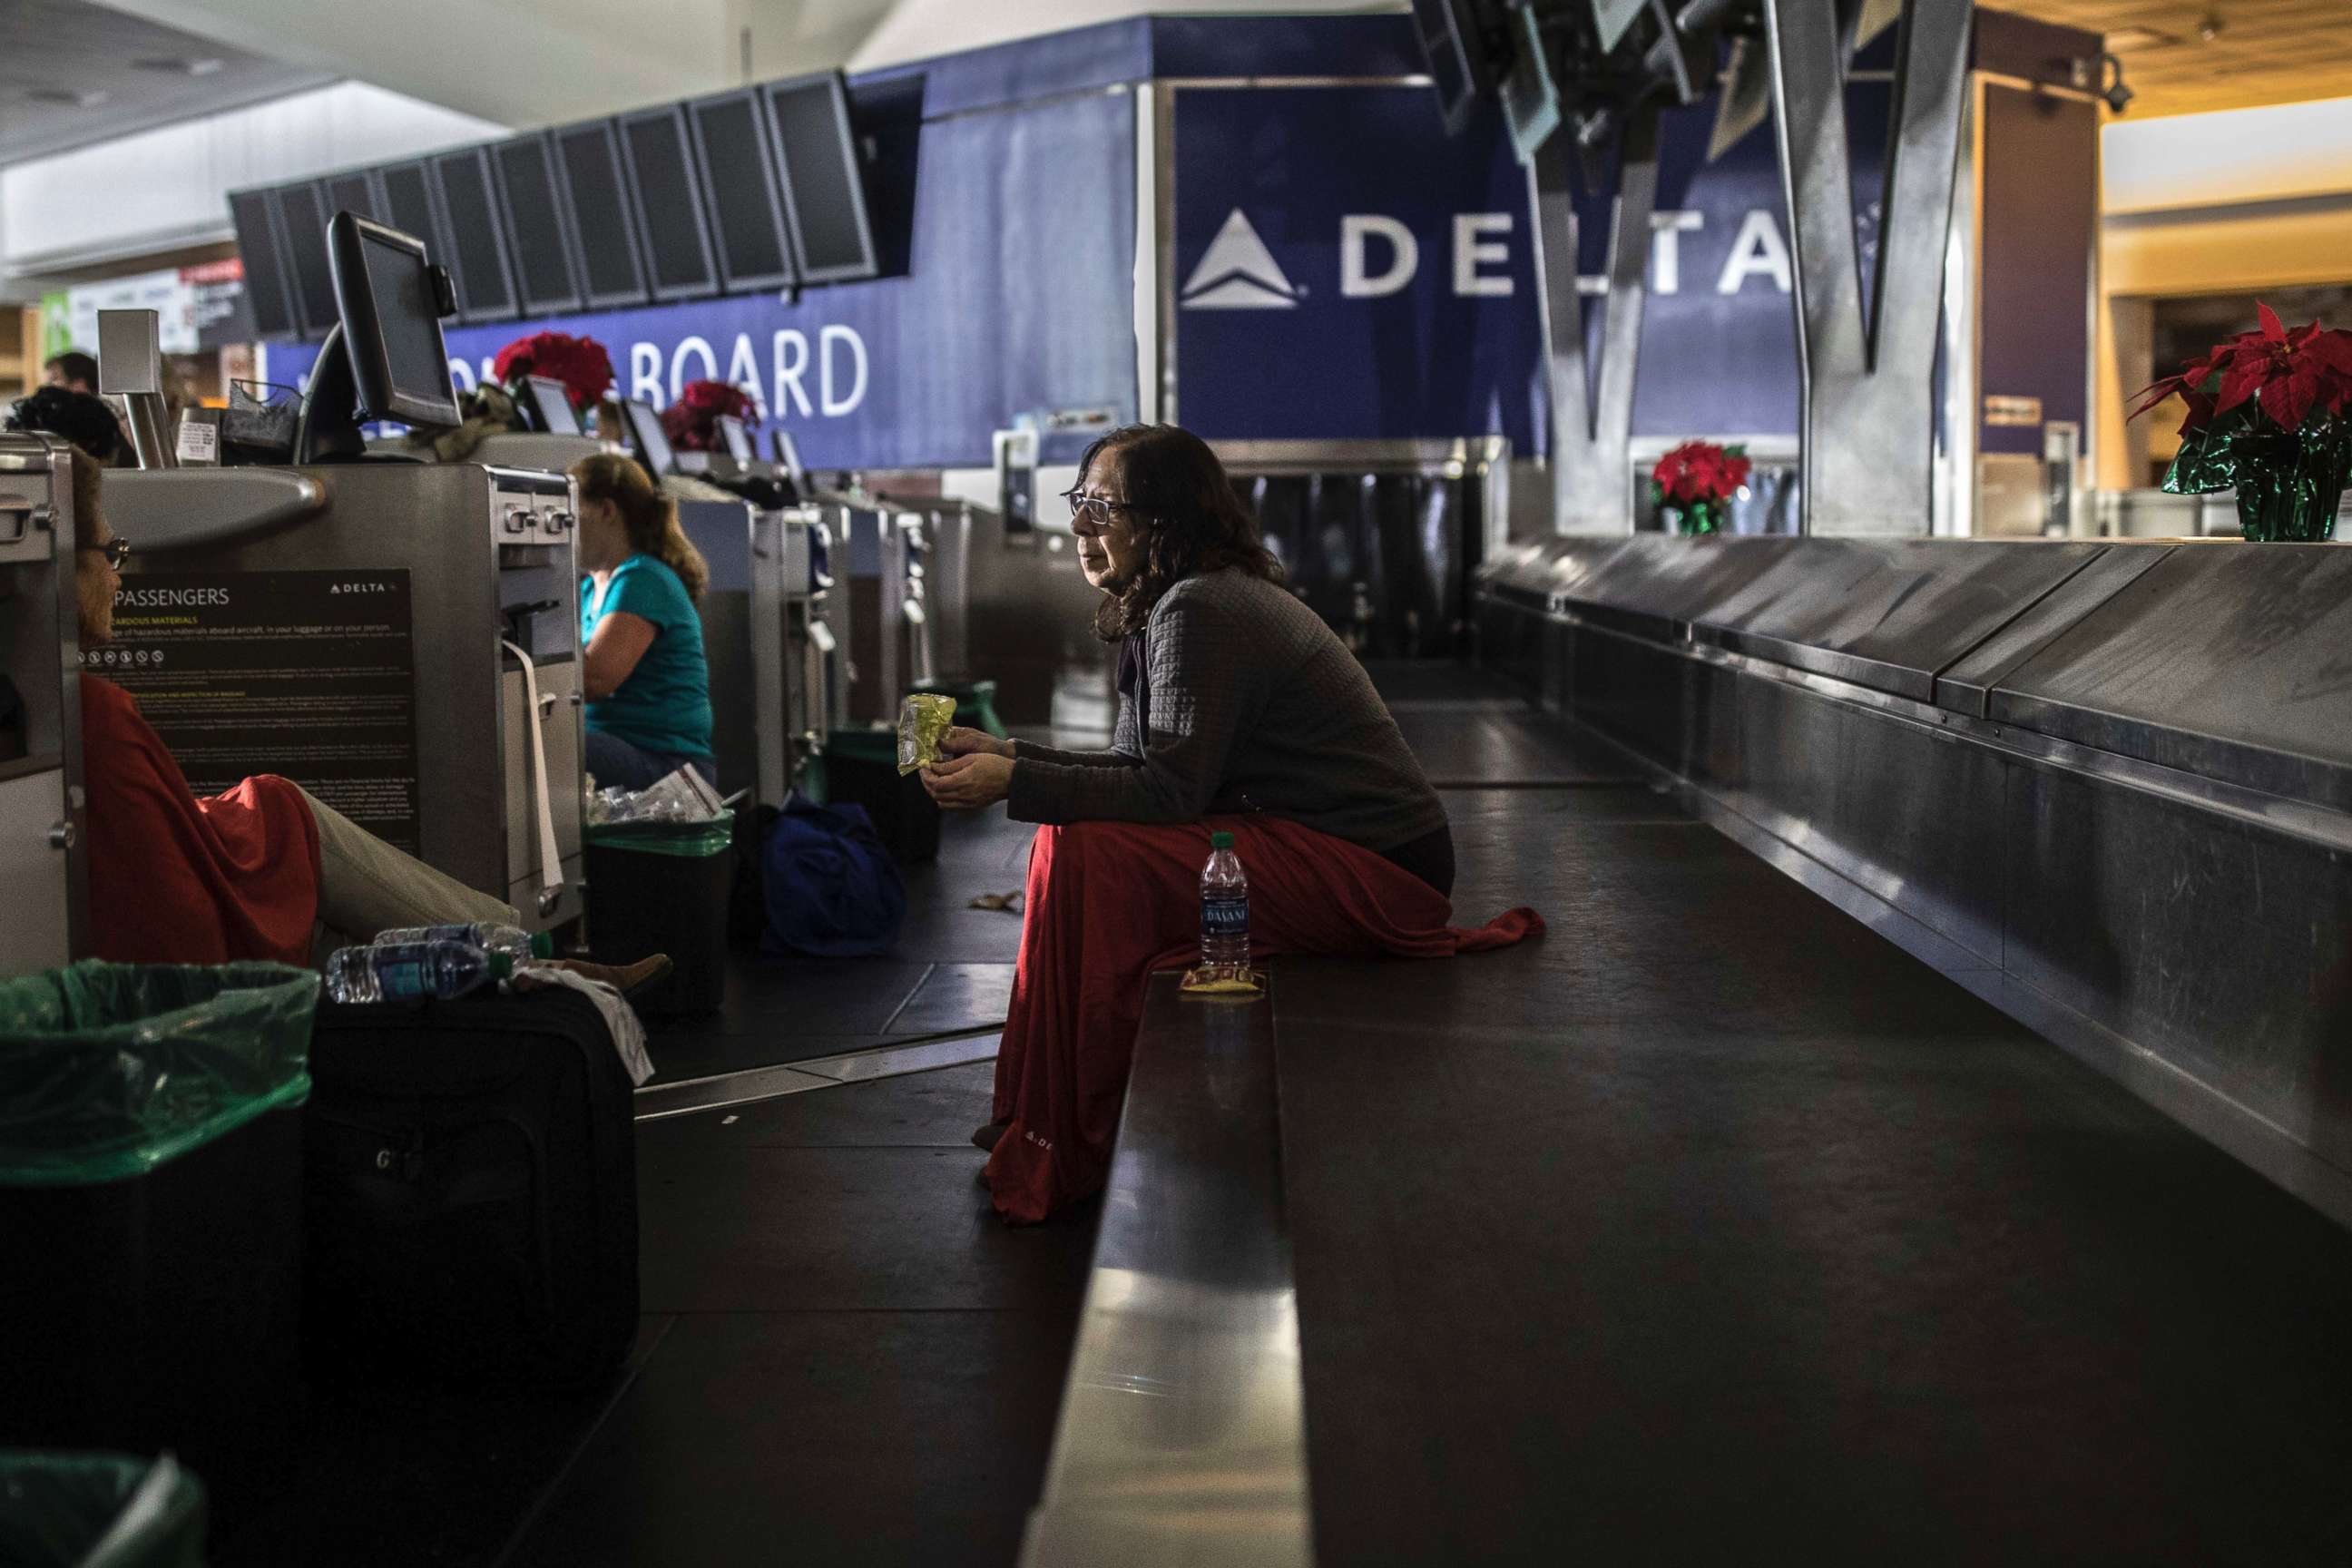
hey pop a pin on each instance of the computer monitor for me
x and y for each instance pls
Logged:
(648, 439)
(547, 403)
(737, 441)
(389, 301)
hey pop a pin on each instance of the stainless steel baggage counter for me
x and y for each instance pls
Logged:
(2109, 785)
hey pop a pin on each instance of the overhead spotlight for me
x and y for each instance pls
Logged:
(72, 97)
(2210, 28)
(2111, 72)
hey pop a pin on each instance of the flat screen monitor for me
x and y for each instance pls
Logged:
(824, 182)
(549, 403)
(263, 251)
(747, 195)
(736, 439)
(648, 439)
(477, 254)
(391, 324)
(354, 193)
(538, 228)
(302, 211)
(604, 222)
(667, 195)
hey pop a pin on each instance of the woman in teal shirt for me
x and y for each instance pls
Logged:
(649, 687)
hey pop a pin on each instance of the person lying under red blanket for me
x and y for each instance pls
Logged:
(1239, 710)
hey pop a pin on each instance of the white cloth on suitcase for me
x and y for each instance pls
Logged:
(628, 1034)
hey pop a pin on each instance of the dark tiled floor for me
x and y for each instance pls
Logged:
(846, 1360)
(860, 1363)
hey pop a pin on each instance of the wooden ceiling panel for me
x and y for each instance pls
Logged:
(2187, 57)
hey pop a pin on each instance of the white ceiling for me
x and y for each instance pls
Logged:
(72, 73)
(535, 62)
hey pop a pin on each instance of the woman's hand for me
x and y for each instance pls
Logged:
(970, 783)
(960, 741)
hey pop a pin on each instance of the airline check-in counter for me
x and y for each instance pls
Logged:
(776, 666)
(400, 638)
(41, 801)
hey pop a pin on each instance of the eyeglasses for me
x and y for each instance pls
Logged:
(1090, 515)
(116, 551)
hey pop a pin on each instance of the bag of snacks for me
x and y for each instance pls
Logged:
(923, 721)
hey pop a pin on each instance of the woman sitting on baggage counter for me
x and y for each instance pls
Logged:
(649, 687)
(1239, 711)
(260, 871)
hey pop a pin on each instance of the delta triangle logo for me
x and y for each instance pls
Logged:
(1237, 272)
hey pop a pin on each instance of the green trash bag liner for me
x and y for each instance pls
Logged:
(687, 840)
(98, 1510)
(107, 1070)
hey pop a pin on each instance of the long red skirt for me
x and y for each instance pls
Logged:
(1107, 902)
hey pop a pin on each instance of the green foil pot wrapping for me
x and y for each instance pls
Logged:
(1696, 516)
(2289, 483)
(923, 721)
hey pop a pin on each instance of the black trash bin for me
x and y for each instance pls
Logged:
(663, 886)
(151, 1199)
(861, 768)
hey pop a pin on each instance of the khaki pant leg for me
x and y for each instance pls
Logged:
(366, 885)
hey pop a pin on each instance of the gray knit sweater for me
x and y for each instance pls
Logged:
(1255, 706)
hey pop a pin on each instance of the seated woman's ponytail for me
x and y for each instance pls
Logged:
(649, 516)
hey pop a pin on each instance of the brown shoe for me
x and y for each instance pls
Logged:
(988, 1137)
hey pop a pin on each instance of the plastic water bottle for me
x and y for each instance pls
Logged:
(412, 971)
(519, 946)
(1224, 908)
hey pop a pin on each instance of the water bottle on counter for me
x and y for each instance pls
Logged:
(1224, 909)
(412, 971)
(519, 946)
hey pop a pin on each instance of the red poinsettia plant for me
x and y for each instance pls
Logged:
(580, 363)
(692, 422)
(1696, 478)
(2270, 415)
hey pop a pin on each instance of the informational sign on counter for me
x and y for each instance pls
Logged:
(310, 675)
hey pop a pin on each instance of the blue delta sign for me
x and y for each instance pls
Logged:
(1349, 274)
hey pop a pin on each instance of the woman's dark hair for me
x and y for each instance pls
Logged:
(1192, 517)
(76, 416)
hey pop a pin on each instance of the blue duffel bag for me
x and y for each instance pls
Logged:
(832, 889)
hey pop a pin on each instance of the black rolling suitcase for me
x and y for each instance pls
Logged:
(471, 1191)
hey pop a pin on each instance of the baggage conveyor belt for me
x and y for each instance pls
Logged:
(1717, 1225)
